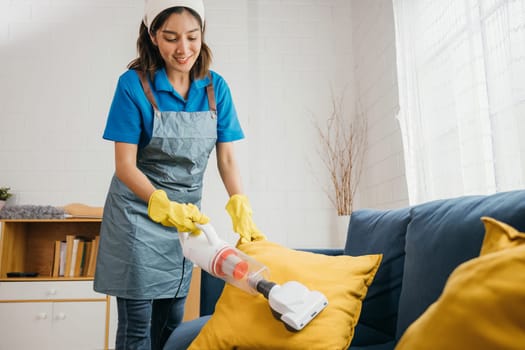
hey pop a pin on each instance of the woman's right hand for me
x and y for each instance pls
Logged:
(174, 214)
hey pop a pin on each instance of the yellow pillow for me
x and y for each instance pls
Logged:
(483, 303)
(244, 321)
(499, 236)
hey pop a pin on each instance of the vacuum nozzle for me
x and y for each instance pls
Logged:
(294, 304)
(264, 287)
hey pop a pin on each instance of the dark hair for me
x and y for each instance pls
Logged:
(149, 59)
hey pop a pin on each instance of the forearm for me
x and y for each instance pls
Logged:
(127, 172)
(137, 182)
(228, 168)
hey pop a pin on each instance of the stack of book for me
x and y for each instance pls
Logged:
(75, 257)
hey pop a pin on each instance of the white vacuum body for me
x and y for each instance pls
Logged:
(292, 302)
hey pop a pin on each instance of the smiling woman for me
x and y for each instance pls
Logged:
(168, 114)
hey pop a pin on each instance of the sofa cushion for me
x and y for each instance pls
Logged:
(245, 321)
(440, 236)
(483, 303)
(379, 232)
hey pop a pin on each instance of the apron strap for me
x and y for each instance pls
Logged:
(147, 89)
(211, 95)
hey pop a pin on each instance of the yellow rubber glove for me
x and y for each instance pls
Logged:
(241, 213)
(170, 213)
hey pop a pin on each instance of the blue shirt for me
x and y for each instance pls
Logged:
(130, 118)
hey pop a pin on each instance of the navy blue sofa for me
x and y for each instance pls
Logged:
(421, 246)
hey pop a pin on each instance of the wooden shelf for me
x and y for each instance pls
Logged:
(45, 278)
(71, 219)
(28, 245)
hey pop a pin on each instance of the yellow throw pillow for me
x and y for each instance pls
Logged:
(499, 236)
(482, 306)
(244, 321)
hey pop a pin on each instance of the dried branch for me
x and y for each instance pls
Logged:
(343, 145)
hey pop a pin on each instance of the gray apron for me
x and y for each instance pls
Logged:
(138, 258)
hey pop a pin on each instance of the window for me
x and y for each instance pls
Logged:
(461, 70)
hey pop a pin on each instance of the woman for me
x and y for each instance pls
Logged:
(168, 113)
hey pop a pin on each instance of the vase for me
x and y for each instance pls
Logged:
(2, 203)
(341, 223)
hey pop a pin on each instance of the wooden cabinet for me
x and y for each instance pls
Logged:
(53, 315)
(46, 312)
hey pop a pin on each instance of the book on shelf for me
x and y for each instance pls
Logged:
(62, 263)
(56, 260)
(92, 260)
(79, 257)
(75, 257)
(70, 242)
(85, 261)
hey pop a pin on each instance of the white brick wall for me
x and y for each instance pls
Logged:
(60, 61)
(384, 184)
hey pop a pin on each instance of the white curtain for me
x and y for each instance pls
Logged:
(461, 73)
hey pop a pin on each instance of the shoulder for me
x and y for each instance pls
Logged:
(129, 84)
(218, 80)
(221, 87)
(129, 91)
(216, 76)
(129, 79)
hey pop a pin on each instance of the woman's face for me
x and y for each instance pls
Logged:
(179, 41)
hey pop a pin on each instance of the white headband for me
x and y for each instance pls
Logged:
(154, 7)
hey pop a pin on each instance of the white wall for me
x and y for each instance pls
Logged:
(60, 61)
(384, 183)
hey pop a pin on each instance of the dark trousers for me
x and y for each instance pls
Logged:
(147, 324)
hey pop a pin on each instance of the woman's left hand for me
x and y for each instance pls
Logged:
(241, 214)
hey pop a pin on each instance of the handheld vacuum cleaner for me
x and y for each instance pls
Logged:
(292, 303)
